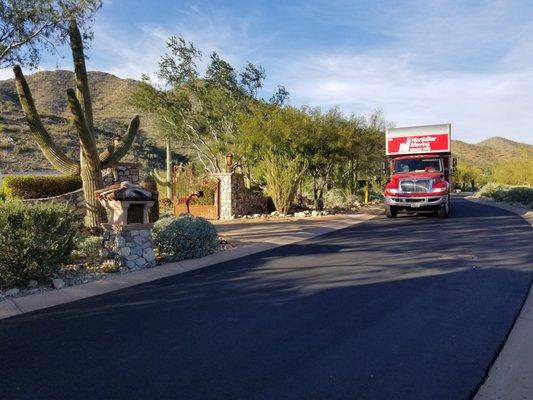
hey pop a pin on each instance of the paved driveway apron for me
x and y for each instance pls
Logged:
(412, 308)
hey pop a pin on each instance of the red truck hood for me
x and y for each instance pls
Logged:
(414, 175)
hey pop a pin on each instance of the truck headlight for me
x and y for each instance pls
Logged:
(439, 187)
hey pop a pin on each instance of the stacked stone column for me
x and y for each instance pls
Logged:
(129, 245)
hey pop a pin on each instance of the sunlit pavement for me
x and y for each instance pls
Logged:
(411, 308)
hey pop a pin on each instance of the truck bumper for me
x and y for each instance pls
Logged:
(414, 203)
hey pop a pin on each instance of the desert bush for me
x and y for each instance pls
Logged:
(39, 186)
(110, 266)
(34, 240)
(88, 249)
(511, 194)
(336, 198)
(282, 177)
(515, 171)
(185, 237)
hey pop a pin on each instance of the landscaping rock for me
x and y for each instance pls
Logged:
(32, 283)
(58, 283)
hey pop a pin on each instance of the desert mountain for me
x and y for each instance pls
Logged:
(112, 113)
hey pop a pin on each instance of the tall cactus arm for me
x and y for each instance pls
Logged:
(80, 71)
(87, 142)
(106, 154)
(159, 179)
(50, 149)
(124, 145)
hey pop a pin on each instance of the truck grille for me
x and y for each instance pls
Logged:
(415, 185)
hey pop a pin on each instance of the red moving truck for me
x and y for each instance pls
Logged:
(420, 165)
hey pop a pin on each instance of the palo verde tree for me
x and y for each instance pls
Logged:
(91, 162)
(198, 109)
(275, 138)
(29, 26)
(323, 145)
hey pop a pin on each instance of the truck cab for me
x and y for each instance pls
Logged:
(420, 166)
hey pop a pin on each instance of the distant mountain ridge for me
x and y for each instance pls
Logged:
(490, 151)
(112, 111)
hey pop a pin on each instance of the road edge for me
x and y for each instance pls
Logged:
(509, 377)
(21, 305)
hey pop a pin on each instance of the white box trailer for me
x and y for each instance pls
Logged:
(418, 140)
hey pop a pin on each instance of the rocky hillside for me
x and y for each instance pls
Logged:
(490, 151)
(112, 113)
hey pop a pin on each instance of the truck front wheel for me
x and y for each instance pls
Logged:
(391, 211)
(444, 212)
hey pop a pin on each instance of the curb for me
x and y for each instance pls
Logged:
(509, 377)
(21, 305)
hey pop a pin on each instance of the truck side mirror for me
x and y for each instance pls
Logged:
(454, 162)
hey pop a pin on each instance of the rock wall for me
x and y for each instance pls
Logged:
(120, 173)
(130, 246)
(75, 200)
(236, 199)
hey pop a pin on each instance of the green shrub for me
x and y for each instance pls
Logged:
(88, 249)
(110, 267)
(511, 194)
(338, 199)
(185, 237)
(34, 240)
(39, 186)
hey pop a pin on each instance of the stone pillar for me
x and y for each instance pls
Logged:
(129, 245)
(226, 204)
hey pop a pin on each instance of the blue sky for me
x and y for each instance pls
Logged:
(421, 62)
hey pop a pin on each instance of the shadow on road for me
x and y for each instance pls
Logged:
(403, 309)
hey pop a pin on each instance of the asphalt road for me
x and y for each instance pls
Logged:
(412, 308)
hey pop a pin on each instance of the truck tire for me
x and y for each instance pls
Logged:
(444, 212)
(391, 211)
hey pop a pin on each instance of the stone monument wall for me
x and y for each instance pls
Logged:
(236, 199)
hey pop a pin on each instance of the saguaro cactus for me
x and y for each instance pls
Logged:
(167, 181)
(91, 162)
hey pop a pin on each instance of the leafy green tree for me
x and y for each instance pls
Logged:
(200, 112)
(516, 171)
(469, 177)
(273, 143)
(323, 147)
(362, 153)
(29, 26)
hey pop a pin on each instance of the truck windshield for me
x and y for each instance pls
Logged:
(418, 165)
